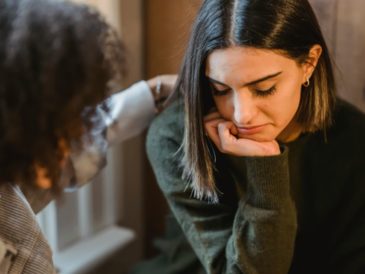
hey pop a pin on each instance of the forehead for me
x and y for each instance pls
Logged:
(246, 61)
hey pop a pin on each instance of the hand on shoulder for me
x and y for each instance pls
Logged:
(162, 87)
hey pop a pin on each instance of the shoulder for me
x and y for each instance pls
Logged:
(163, 146)
(166, 132)
(345, 139)
(348, 123)
(348, 114)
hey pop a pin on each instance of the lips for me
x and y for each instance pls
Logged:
(250, 130)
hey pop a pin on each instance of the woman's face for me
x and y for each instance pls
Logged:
(258, 90)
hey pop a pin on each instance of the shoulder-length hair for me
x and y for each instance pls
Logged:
(289, 27)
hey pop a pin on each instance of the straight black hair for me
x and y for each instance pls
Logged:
(288, 27)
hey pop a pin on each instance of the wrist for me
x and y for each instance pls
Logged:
(155, 85)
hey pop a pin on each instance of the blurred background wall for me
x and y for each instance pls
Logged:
(342, 22)
(167, 29)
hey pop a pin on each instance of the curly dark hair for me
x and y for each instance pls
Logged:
(58, 60)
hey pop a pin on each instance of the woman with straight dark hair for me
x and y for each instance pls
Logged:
(259, 161)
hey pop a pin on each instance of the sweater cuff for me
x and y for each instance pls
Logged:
(131, 111)
(268, 184)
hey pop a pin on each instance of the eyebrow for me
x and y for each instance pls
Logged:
(249, 83)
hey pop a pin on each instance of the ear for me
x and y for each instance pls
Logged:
(311, 62)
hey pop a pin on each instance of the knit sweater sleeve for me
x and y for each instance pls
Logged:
(257, 237)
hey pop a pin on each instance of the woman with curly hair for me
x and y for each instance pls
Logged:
(59, 62)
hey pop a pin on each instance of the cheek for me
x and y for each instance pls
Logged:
(294, 96)
(289, 103)
(224, 106)
(281, 107)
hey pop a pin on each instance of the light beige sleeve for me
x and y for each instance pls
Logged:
(131, 111)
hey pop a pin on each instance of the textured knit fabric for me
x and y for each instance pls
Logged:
(300, 212)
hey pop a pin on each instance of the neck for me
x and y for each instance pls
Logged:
(290, 133)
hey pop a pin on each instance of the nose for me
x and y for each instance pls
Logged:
(244, 108)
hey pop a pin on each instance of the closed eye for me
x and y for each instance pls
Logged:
(264, 93)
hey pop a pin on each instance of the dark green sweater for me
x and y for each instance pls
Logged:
(300, 212)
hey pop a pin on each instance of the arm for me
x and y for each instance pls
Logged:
(130, 112)
(257, 237)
